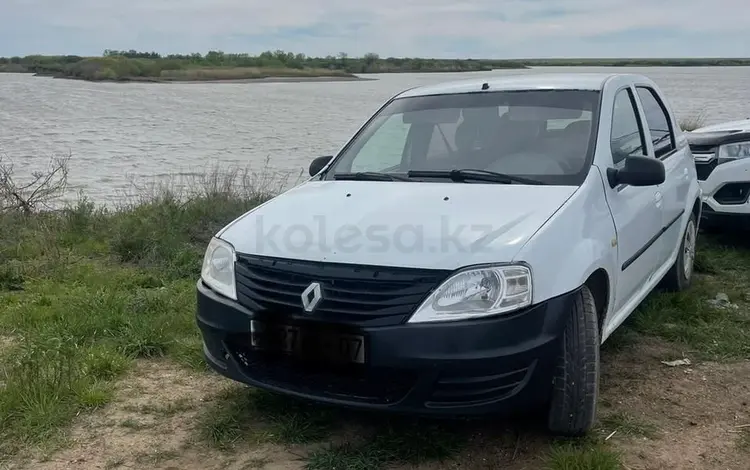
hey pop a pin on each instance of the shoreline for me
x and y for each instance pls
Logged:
(162, 81)
(274, 80)
(216, 75)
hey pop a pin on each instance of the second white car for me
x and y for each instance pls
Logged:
(722, 159)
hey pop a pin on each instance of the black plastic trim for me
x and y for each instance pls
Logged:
(716, 138)
(353, 294)
(641, 130)
(732, 202)
(667, 113)
(704, 169)
(653, 239)
(467, 368)
(728, 220)
(668, 154)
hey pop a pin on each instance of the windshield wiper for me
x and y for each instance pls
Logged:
(370, 176)
(466, 174)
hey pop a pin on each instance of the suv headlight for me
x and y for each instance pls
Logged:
(476, 293)
(734, 151)
(218, 268)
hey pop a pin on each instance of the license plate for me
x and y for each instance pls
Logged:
(296, 341)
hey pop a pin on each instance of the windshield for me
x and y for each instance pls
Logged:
(544, 135)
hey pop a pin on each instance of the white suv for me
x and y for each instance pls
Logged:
(466, 252)
(722, 158)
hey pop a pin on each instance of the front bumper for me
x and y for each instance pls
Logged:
(726, 220)
(726, 187)
(462, 368)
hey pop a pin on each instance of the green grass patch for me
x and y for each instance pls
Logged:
(585, 456)
(394, 442)
(710, 329)
(242, 414)
(348, 456)
(84, 291)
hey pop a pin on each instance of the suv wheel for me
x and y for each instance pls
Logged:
(680, 275)
(576, 379)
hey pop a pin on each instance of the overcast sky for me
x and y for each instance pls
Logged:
(426, 28)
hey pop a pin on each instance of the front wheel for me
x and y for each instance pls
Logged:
(576, 379)
(680, 275)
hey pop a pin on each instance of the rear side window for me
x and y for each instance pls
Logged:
(627, 135)
(658, 122)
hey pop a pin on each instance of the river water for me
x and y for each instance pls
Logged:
(120, 133)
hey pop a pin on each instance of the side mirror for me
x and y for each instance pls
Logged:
(638, 171)
(318, 164)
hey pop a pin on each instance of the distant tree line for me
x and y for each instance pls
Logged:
(120, 64)
(368, 63)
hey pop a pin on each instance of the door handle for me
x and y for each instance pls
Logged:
(657, 199)
(685, 173)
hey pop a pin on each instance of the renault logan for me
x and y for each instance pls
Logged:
(466, 252)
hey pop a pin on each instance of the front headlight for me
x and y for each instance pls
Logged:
(735, 151)
(476, 293)
(218, 268)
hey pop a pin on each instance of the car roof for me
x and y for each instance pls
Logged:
(525, 81)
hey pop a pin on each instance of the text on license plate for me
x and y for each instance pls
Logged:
(293, 340)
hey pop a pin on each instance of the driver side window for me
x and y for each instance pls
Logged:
(627, 133)
(385, 148)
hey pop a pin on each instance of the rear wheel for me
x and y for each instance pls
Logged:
(680, 275)
(576, 379)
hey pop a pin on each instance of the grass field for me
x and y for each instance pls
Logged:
(101, 367)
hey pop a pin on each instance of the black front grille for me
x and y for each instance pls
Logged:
(351, 293)
(705, 169)
(367, 385)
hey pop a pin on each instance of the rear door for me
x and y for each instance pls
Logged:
(637, 211)
(662, 144)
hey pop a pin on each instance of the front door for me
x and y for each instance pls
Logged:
(637, 211)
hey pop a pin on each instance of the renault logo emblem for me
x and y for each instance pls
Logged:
(311, 296)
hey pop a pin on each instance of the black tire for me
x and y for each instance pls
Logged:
(680, 275)
(576, 379)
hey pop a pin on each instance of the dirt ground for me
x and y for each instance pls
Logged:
(698, 411)
(683, 417)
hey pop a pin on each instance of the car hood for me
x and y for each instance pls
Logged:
(410, 224)
(705, 139)
(742, 125)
